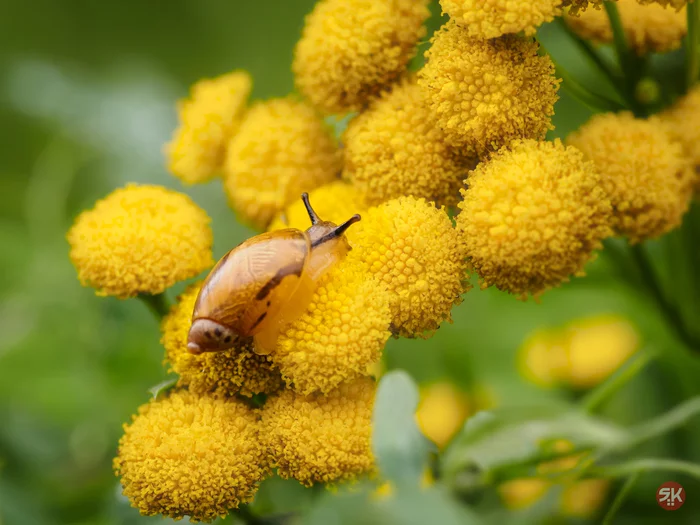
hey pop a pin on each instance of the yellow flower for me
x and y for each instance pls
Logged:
(596, 347)
(577, 6)
(236, 371)
(350, 50)
(208, 119)
(187, 455)
(442, 411)
(643, 171)
(681, 121)
(412, 250)
(282, 149)
(321, 438)
(394, 148)
(583, 499)
(340, 335)
(493, 18)
(532, 216)
(333, 202)
(677, 4)
(648, 28)
(522, 493)
(140, 239)
(487, 93)
(542, 358)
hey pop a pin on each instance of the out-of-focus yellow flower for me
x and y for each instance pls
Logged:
(532, 216)
(394, 148)
(563, 465)
(413, 251)
(681, 121)
(576, 6)
(333, 202)
(642, 170)
(493, 18)
(678, 4)
(584, 499)
(208, 120)
(140, 239)
(596, 347)
(282, 149)
(236, 371)
(487, 93)
(519, 494)
(442, 411)
(542, 358)
(648, 28)
(340, 335)
(321, 438)
(189, 455)
(350, 50)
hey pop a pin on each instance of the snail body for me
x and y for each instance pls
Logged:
(263, 284)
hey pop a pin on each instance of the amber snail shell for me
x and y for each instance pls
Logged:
(263, 284)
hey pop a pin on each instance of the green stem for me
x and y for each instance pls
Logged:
(693, 43)
(246, 516)
(620, 498)
(641, 465)
(608, 388)
(157, 304)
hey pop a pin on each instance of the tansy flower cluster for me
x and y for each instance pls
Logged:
(451, 174)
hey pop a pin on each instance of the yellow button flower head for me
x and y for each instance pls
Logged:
(643, 172)
(282, 149)
(236, 371)
(343, 331)
(189, 455)
(208, 119)
(486, 93)
(412, 250)
(577, 6)
(321, 438)
(681, 121)
(542, 358)
(648, 28)
(678, 4)
(493, 18)
(352, 49)
(140, 239)
(522, 493)
(532, 216)
(584, 499)
(333, 202)
(394, 149)
(442, 411)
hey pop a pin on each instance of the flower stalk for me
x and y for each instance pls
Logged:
(156, 303)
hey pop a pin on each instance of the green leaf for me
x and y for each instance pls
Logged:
(162, 387)
(397, 443)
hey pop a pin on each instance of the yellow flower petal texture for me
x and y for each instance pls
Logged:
(335, 202)
(395, 148)
(493, 18)
(648, 29)
(321, 438)
(188, 455)
(643, 171)
(677, 4)
(282, 149)
(532, 216)
(341, 333)
(352, 49)
(681, 121)
(236, 371)
(412, 250)
(140, 239)
(487, 93)
(208, 120)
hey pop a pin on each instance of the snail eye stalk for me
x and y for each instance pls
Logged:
(315, 219)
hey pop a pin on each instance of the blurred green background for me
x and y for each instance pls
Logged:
(87, 99)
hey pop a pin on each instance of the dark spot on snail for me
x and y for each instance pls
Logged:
(208, 334)
(227, 339)
(259, 320)
(217, 331)
(269, 303)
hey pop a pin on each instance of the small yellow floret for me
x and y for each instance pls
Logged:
(335, 202)
(340, 335)
(584, 499)
(677, 4)
(208, 120)
(282, 149)
(321, 438)
(236, 371)
(442, 411)
(487, 93)
(395, 148)
(352, 49)
(194, 456)
(642, 170)
(533, 216)
(542, 358)
(521, 493)
(140, 239)
(577, 6)
(648, 28)
(681, 121)
(493, 18)
(412, 250)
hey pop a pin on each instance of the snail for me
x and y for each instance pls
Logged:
(263, 284)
